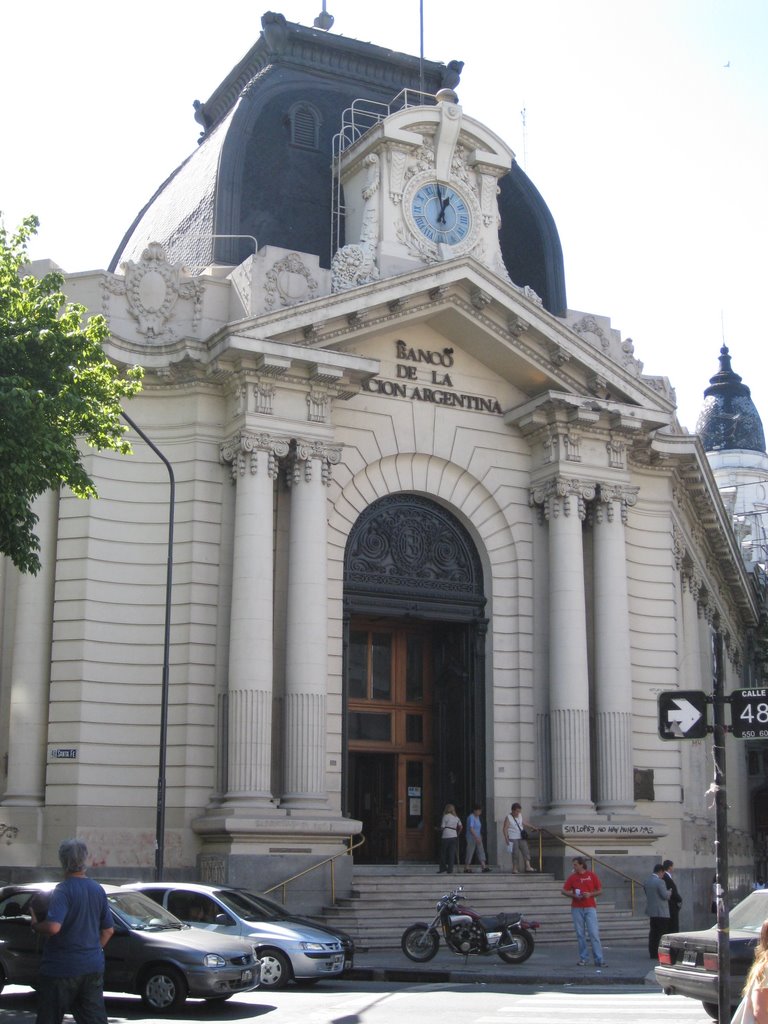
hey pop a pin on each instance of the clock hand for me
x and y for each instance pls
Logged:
(444, 203)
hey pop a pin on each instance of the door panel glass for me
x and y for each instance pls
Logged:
(414, 669)
(358, 664)
(366, 725)
(381, 666)
(414, 729)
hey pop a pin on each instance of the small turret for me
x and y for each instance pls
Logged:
(729, 419)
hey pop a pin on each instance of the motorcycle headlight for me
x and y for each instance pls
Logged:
(214, 960)
(312, 947)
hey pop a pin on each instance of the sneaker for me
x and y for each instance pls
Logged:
(601, 963)
(583, 963)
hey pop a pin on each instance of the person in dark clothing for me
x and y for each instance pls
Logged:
(657, 908)
(675, 899)
(77, 926)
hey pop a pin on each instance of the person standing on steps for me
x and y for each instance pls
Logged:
(450, 830)
(516, 838)
(582, 886)
(475, 841)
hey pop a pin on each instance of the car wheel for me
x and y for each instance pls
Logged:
(275, 968)
(711, 1009)
(163, 988)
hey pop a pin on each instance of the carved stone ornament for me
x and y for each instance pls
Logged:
(152, 288)
(410, 545)
(553, 497)
(355, 265)
(303, 454)
(288, 282)
(242, 451)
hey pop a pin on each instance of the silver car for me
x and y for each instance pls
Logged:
(151, 952)
(289, 947)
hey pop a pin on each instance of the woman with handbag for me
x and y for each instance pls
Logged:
(753, 1008)
(516, 837)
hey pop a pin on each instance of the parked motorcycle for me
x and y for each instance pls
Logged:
(466, 932)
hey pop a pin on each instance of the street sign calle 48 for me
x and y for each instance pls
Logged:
(749, 713)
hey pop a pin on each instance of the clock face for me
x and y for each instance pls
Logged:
(441, 214)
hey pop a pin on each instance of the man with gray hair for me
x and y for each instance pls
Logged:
(77, 927)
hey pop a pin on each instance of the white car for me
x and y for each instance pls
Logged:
(289, 947)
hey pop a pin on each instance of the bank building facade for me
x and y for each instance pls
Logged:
(437, 537)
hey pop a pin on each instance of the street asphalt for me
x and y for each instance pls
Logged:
(550, 964)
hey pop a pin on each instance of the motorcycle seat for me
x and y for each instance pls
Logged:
(499, 921)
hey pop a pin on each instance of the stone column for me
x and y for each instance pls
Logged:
(30, 674)
(249, 696)
(613, 670)
(306, 659)
(563, 504)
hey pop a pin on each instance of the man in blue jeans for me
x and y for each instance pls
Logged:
(77, 926)
(581, 887)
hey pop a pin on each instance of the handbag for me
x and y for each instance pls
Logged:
(523, 833)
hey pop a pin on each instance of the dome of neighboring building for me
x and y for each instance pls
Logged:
(729, 419)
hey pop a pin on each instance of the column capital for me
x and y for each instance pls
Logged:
(608, 495)
(551, 495)
(303, 453)
(240, 449)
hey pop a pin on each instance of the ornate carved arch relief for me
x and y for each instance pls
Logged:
(408, 550)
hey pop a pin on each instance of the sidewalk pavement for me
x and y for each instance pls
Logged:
(553, 964)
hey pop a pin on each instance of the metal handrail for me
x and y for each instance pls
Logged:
(590, 856)
(321, 863)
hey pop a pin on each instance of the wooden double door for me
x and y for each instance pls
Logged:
(409, 733)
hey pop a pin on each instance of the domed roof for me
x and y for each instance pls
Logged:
(729, 418)
(262, 173)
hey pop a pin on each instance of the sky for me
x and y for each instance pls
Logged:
(643, 124)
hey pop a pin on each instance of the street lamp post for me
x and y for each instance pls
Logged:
(164, 692)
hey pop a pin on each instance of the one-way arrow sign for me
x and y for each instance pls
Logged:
(682, 715)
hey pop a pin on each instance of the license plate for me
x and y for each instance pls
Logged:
(689, 958)
(246, 976)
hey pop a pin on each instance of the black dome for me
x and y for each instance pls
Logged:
(729, 418)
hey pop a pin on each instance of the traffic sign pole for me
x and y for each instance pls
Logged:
(721, 830)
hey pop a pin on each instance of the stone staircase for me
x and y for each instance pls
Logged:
(385, 901)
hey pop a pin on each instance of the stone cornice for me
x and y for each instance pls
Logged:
(700, 505)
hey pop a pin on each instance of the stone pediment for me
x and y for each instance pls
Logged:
(498, 325)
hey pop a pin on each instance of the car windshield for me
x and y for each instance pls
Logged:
(141, 913)
(748, 916)
(250, 907)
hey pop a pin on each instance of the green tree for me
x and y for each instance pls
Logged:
(57, 387)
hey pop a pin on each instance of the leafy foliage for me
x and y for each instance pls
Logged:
(56, 386)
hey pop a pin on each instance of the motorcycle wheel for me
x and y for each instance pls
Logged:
(522, 943)
(419, 943)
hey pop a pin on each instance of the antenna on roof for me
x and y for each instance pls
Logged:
(421, 46)
(525, 146)
(324, 20)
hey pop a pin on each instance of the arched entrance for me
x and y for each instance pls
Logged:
(414, 639)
